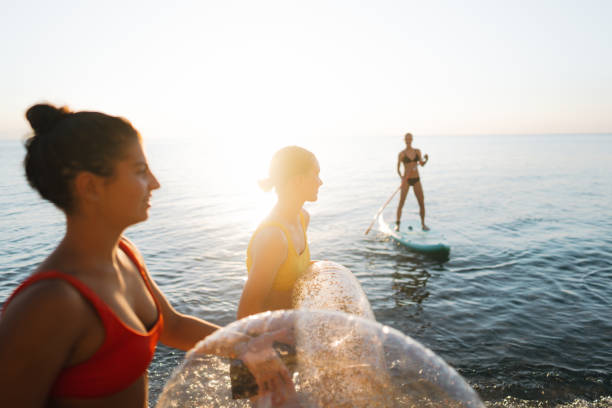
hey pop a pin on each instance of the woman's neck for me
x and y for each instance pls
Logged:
(91, 238)
(288, 208)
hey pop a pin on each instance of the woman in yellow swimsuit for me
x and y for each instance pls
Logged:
(277, 255)
(278, 251)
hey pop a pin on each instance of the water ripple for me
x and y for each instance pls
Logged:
(521, 309)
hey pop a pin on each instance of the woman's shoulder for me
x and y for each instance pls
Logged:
(270, 235)
(49, 317)
(270, 230)
(48, 294)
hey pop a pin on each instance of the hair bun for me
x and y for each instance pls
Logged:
(44, 117)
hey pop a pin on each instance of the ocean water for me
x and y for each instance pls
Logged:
(522, 309)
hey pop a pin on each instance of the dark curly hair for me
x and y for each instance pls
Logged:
(65, 143)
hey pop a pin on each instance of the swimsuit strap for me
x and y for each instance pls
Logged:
(89, 294)
(126, 246)
(284, 229)
(293, 266)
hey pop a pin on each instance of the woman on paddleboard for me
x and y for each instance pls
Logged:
(278, 250)
(81, 331)
(411, 158)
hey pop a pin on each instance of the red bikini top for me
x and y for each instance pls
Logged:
(122, 358)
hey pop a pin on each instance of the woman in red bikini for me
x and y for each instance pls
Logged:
(411, 158)
(82, 329)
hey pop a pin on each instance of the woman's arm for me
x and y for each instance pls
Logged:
(180, 331)
(399, 163)
(421, 161)
(268, 252)
(38, 333)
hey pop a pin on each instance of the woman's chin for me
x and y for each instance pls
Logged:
(140, 218)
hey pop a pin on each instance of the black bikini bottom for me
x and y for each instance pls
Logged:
(413, 181)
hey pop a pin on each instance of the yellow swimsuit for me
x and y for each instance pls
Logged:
(295, 264)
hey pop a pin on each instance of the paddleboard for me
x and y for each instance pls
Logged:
(412, 236)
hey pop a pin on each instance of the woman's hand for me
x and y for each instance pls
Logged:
(426, 157)
(271, 374)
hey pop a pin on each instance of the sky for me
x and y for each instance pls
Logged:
(242, 71)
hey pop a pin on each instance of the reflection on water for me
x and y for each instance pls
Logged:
(410, 275)
(410, 287)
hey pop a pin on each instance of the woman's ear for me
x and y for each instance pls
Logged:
(87, 187)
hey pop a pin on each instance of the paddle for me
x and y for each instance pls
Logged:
(382, 208)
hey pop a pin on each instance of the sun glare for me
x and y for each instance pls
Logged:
(241, 165)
